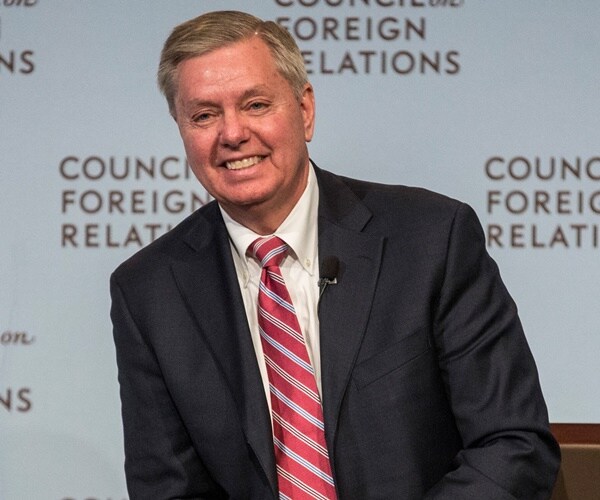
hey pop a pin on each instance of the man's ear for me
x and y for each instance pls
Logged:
(307, 106)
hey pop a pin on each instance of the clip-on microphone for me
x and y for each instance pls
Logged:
(330, 267)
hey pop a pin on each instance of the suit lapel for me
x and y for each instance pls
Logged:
(217, 306)
(344, 307)
(218, 309)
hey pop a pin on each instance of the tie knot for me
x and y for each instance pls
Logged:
(269, 251)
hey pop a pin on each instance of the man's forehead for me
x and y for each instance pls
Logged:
(233, 71)
(250, 56)
(212, 96)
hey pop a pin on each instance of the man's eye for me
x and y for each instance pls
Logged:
(257, 106)
(202, 117)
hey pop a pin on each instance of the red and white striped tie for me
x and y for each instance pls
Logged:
(303, 467)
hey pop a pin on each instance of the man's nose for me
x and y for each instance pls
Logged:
(234, 130)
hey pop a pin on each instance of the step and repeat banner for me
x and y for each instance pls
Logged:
(495, 103)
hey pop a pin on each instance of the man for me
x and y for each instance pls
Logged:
(422, 383)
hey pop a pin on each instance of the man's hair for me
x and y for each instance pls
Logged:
(215, 30)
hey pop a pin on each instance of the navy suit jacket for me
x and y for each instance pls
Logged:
(429, 387)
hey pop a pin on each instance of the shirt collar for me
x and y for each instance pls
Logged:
(298, 230)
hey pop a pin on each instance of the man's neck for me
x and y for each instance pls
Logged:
(264, 218)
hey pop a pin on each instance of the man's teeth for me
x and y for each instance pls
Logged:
(243, 163)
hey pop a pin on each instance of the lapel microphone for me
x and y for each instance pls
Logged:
(329, 269)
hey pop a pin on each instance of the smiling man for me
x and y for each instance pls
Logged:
(245, 131)
(400, 371)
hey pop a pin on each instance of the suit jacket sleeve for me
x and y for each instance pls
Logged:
(160, 461)
(491, 380)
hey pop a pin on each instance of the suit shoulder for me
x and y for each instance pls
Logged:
(172, 245)
(402, 200)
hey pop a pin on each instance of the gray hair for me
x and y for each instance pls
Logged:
(214, 30)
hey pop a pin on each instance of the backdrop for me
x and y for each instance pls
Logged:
(495, 103)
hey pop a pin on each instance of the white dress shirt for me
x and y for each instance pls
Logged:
(300, 269)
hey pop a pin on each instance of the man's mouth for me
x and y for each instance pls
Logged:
(243, 163)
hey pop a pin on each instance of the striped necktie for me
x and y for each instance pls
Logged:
(303, 467)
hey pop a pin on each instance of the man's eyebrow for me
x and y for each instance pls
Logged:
(246, 94)
(254, 91)
(199, 103)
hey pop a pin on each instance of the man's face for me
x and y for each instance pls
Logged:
(245, 132)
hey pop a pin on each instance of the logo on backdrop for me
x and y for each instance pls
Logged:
(15, 399)
(543, 202)
(382, 37)
(14, 338)
(124, 202)
(15, 60)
